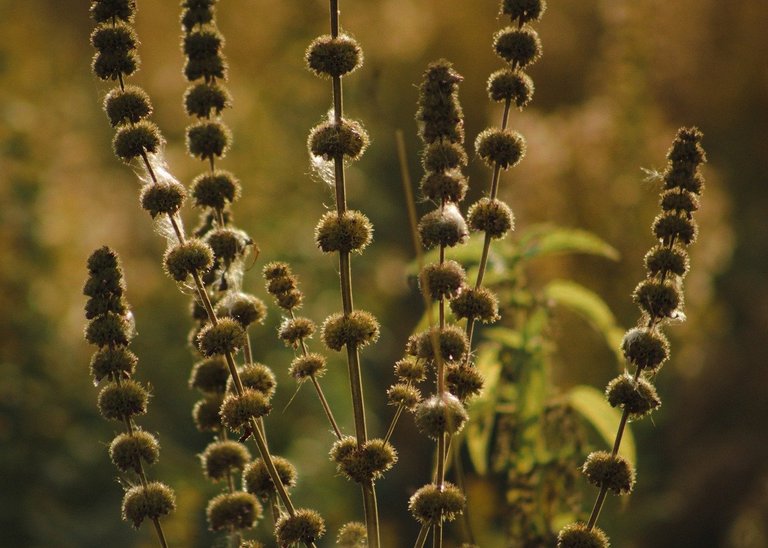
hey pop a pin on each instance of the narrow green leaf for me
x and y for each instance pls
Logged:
(543, 240)
(591, 307)
(482, 410)
(591, 404)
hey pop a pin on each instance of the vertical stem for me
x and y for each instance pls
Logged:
(345, 279)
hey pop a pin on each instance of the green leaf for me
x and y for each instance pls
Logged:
(552, 240)
(591, 404)
(482, 410)
(591, 307)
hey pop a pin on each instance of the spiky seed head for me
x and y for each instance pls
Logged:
(233, 511)
(205, 413)
(686, 149)
(305, 526)
(662, 260)
(228, 244)
(519, 47)
(514, 86)
(211, 67)
(110, 330)
(294, 330)
(523, 10)
(183, 260)
(102, 304)
(111, 66)
(103, 11)
(255, 376)
(114, 39)
(403, 394)
(307, 366)
(163, 198)
(645, 348)
(444, 187)
(352, 535)
(222, 457)
(658, 299)
(679, 201)
(347, 140)
(226, 336)
(290, 299)
(502, 147)
(215, 190)
(444, 226)
(128, 451)
(578, 535)
(196, 16)
(637, 397)
(210, 375)
(359, 329)
(433, 504)
(463, 381)
(452, 341)
(612, 471)
(332, 57)
(244, 308)
(350, 231)
(343, 450)
(479, 303)
(135, 140)
(491, 216)
(257, 481)
(237, 410)
(683, 178)
(127, 106)
(152, 501)
(202, 43)
(118, 402)
(364, 463)
(410, 369)
(440, 414)
(669, 227)
(443, 156)
(206, 98)
(206, 139)
(276, 269)
(442, 280)
(117, 361)
(439, 113)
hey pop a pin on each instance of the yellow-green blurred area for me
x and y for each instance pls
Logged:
(616, 80)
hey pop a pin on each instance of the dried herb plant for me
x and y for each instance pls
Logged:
(645, 347)
(210, 265)
(111, 328)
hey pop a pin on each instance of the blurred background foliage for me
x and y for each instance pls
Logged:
(616, 80)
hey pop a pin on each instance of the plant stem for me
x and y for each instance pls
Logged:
(422, 538)
(143, 477)
(255, 425)
(487, 240)
(345, 278)
(319, 390)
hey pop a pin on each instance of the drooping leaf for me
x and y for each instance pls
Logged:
(543, 240)
(591, 404)
(591, 307)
